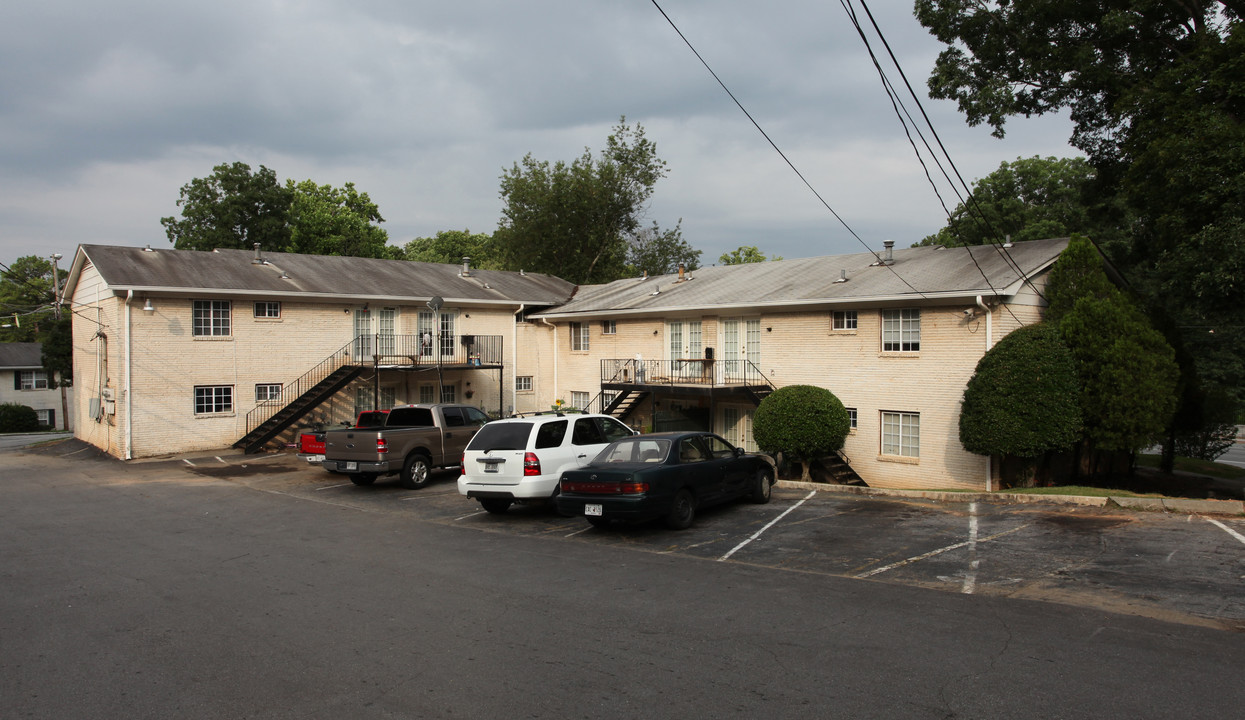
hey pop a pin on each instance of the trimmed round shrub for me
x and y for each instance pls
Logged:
(16, 418)
(1024, 398)
(800, 421)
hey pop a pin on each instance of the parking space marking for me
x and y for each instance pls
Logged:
(939, 551)
(970, 578)
(757, 534)
(330, 487)
(189, 463)
(464, 517)
(585, 529)
(1227, 529)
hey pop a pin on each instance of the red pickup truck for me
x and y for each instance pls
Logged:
(311, 443)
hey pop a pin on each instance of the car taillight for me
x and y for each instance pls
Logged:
(462, 465)
(382, 445)
(594, 487)
(531, 464)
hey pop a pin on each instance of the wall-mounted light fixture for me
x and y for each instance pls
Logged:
(148, 307)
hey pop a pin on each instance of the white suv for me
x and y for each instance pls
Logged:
(521, 458)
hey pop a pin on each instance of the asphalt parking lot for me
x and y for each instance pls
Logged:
(1178, 567)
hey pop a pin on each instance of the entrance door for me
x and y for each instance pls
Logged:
(374, 333)
(686, 343)
(737, 427)
(741, 344)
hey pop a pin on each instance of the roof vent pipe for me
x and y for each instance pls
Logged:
(842, 275)
(257, 260)
(682, 271)
(466, 267)
(888, 252)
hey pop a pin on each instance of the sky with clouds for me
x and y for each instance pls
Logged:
(107, 109)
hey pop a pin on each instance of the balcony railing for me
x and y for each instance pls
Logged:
(619, 371)
(428, 350)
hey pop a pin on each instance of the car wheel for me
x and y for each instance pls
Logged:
(416, 472)
(762, 485)
(599, 522)
(497, 506)
(682, 511)
(363, 478)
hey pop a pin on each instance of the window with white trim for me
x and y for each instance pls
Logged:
(211, 318)
(579, 337)
(843, 320)
(31, 380)
(523, 383)
(901, 330)
(579, 400)
(268, 310)
(851, 418)
(211, 399)
(449, 393)
(427, 394)
(609, 327)
(46, 418)
(267, 391)
(901, 434)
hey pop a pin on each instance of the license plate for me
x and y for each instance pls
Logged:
(351, 466)
(593, 509)
(490, 467)
(315, 459)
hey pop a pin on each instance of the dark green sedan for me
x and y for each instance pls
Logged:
(663, 475)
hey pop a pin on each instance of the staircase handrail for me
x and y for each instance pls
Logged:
(291, 391)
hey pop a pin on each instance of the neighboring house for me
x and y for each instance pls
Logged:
(895, 336)
(24, 381)
(179, 350)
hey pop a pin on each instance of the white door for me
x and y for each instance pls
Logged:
(686, 343)
(371, 327)
(741, 344)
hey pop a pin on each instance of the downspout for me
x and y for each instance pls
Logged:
(129, 405)
(555, 355)
(514, 365)
(989, 344)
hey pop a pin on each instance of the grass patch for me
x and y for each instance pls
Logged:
(1199, 467)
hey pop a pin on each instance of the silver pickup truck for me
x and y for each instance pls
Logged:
(414, 440)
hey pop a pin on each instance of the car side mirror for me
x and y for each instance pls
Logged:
(739, 452)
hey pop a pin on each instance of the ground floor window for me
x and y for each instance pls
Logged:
(364, 397)
(579, 400)
(427, 394)
(851, 418)
(213, 399)
(901, 434)
(523, 383)
(46, 417)
(449, 393)
(267, 391)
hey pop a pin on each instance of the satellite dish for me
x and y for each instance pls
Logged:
(435, 303)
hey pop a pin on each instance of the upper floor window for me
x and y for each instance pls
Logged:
(843, 320)
(851, 418)
(579, 336)
(901, 330)
(267, 309)
(609, 327)
(30, 380)
(211, 318)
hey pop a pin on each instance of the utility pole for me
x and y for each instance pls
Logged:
(56, 286)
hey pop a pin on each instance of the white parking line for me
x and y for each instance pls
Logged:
(757, 534)
(939, 551)
(1227, 529)
(584, 530)
(188, 462)
(464, 517)
(970, 578)
(330, 487)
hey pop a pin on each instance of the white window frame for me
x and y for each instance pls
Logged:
(211, 318)
(844, 320)
(580, 400)
(579, 337)
(523, 383)
(851, 419)
(901, 330)
(267, 391)
(609, 327)
(427, 393)
(213, 399)
(32, 380)
(901, 434)
(267, 310)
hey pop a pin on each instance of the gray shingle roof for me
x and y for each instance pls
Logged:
(21, 356)
(929, 272)
(171, 271)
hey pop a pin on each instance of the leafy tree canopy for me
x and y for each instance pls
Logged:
(236, 208)
(1023, 399)
(26, 299)
(451, 246)
(801, 421)
(745, 254)
(579, 220)
(1031, 199)
(661, 252)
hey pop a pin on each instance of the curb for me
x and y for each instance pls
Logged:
(1177, 505)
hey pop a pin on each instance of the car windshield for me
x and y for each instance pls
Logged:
(634, 450)
(501, 436)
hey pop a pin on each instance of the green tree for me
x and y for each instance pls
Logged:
(232, 208)
(802, 422)
(1023, 398)
(661, 252)
(578, 220)
(451, 246)
(745, 254)
(325, 220)
(26, 299)
(1031, 199)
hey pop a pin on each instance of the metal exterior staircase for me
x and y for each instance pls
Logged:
(254, 440)
(625, 402)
